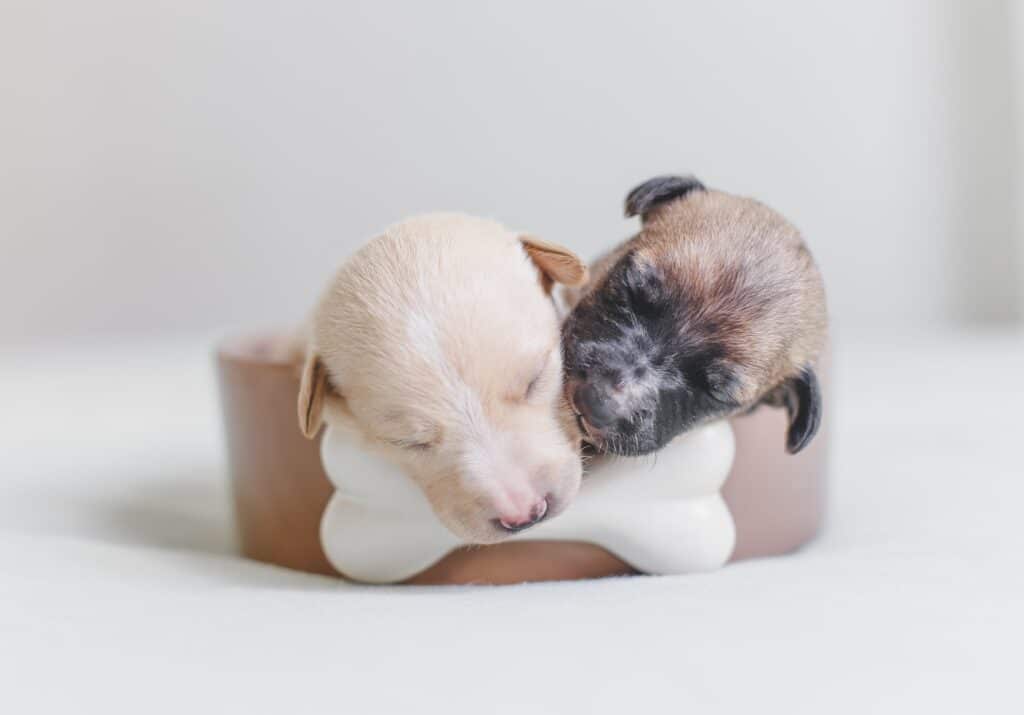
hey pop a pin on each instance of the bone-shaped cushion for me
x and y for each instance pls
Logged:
(661, 515)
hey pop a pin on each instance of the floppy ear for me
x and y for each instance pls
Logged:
(657, 191)
(556, 264)
(312, 392)
(801, 396)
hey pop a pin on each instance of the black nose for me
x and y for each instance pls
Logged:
(594, 405)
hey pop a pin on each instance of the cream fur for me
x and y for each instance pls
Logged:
(429, 337)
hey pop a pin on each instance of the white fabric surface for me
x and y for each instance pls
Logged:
(120, 591)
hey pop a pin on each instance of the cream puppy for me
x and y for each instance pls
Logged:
(437, 345)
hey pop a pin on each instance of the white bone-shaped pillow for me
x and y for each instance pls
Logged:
(660, 515)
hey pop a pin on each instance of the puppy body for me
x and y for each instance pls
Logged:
(437, 345)
(715, 306)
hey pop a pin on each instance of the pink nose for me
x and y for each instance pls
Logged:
(524, 519)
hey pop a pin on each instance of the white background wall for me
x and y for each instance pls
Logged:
(188, 165)
(1017, 57)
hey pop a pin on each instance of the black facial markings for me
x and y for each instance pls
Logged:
(644, 333)
(659, 190)
(643, 286)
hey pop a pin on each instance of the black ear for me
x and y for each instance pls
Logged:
(801, 396)
(658, 190)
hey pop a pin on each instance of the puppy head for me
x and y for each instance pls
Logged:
(437, 344)
(716, 305)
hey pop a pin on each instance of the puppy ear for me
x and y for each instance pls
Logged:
(556, 264)
(801, 396)
(312, 393)
(657, 191)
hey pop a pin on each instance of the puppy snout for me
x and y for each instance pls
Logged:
(594, 405)
(523, 519)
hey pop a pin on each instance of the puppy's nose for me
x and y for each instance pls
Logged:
(518, 522)
(594, 405)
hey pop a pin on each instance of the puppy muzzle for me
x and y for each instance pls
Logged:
(612, 419)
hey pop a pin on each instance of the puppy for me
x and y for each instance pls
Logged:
(714, 307)
(437, 346)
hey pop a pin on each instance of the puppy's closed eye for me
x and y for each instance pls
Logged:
(531, 388)
(411, 435)
(540, 378)
(411, 444)
(722, 380)
(643, 284)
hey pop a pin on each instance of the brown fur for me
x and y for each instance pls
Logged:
(737, 276)
(752, 276)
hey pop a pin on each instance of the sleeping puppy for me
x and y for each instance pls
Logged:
(437, 346)
(715, 307)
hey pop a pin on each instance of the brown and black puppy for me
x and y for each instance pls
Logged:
(714, 307)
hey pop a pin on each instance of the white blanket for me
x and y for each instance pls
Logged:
(120, 590)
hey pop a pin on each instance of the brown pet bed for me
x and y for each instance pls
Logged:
(280, 490)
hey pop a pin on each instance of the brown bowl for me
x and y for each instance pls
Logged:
(279, 487)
